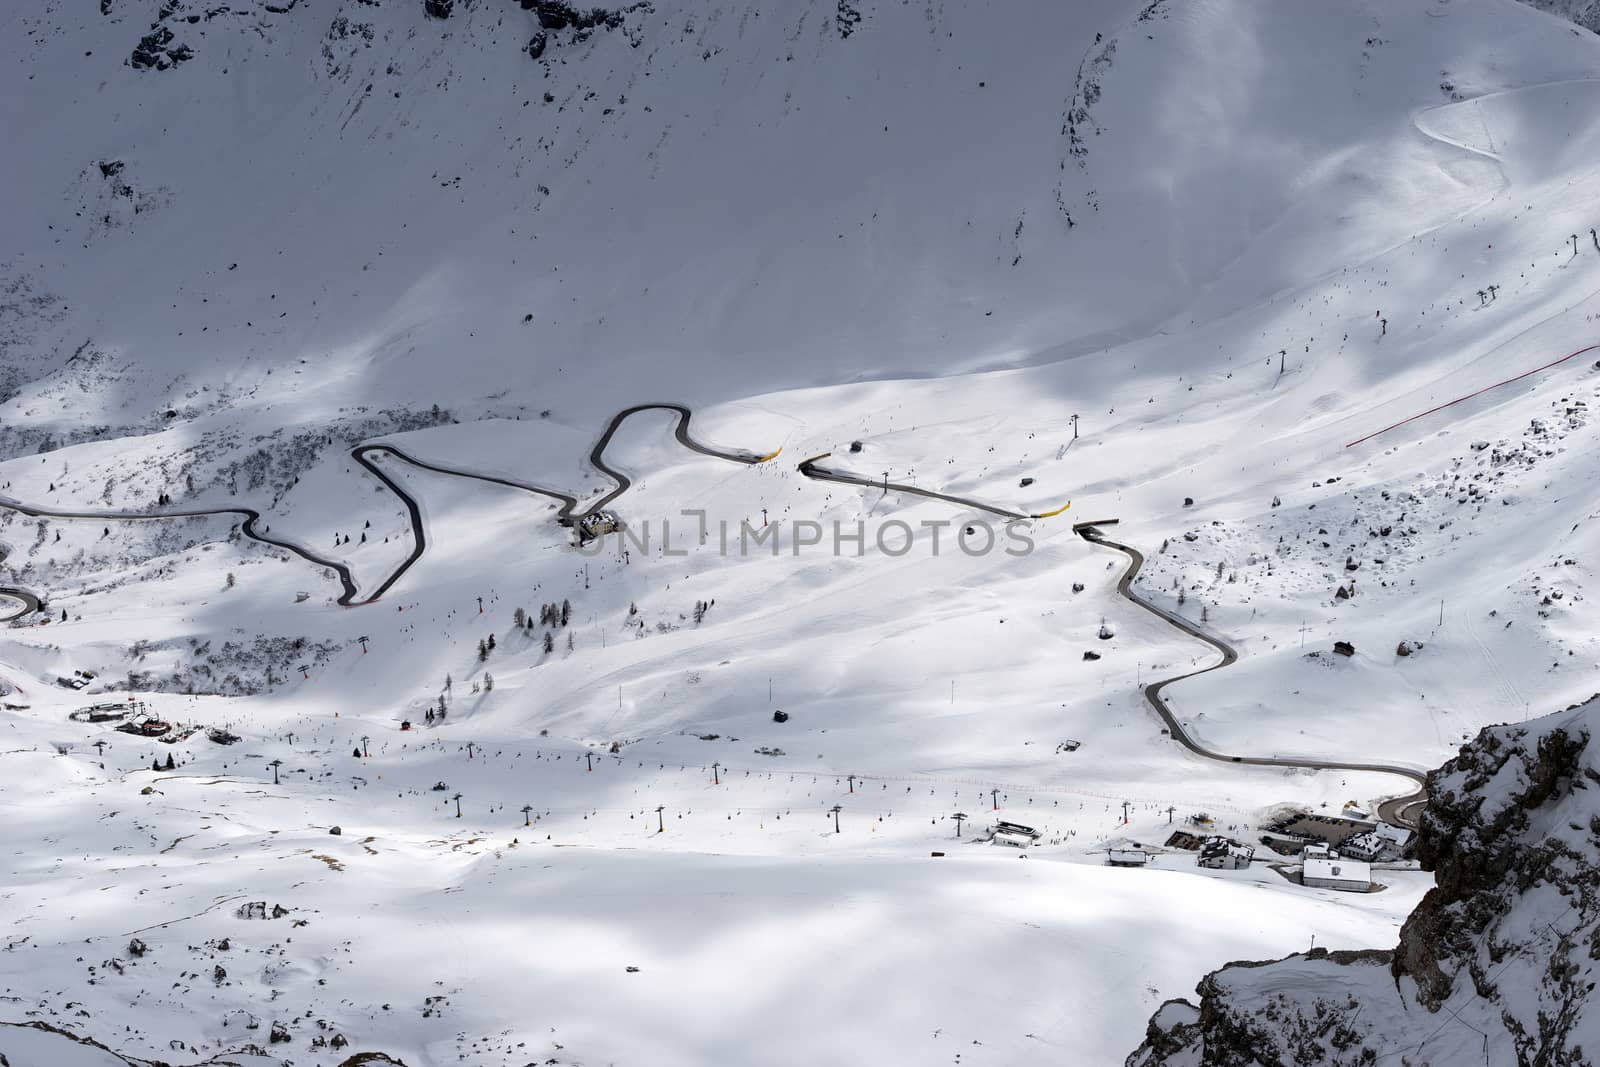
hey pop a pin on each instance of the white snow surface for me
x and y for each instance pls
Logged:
(342, 222)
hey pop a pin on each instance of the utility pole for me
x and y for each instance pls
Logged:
(291, 738)
(716, 779)
(994, 798)
(480, 605)
(363, 641)
(589, 759)
(1282, 352)
(1441, 611)
(526, 810)
(1170, 810)
(885, 482)
(100, 746)
(661, 824)
(1125, 813)
(836, 810)
(364, 751)
(852, 780)
(275, 764)
(457, 799)
(470, 745)
(1074, 427)
(959, 817)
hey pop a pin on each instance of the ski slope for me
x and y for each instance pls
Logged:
(348, 226)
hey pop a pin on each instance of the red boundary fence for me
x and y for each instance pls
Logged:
(1469, 396)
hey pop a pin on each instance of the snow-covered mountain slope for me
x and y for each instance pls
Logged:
(1176, 263)
(1497, 962)
(739, 190)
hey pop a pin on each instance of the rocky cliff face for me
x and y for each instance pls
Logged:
(1585, 13)
(1498, 964)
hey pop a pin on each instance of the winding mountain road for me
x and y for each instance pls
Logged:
(810, 469)
(250, 515)
(567, 515)
(597, 455)
(1401, 810)
(568, 512)
(26, 601)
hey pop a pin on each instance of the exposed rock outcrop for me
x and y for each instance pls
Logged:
(1585, 13)
(557, 17)
(1498, 964)
(156, 51)
(846, 18)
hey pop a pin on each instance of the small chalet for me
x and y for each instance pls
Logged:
(1224, 854)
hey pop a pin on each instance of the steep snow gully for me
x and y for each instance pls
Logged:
(1401, 810)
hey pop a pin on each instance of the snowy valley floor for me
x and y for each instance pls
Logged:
(760, 935)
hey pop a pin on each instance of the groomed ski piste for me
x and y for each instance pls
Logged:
(380, 446)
